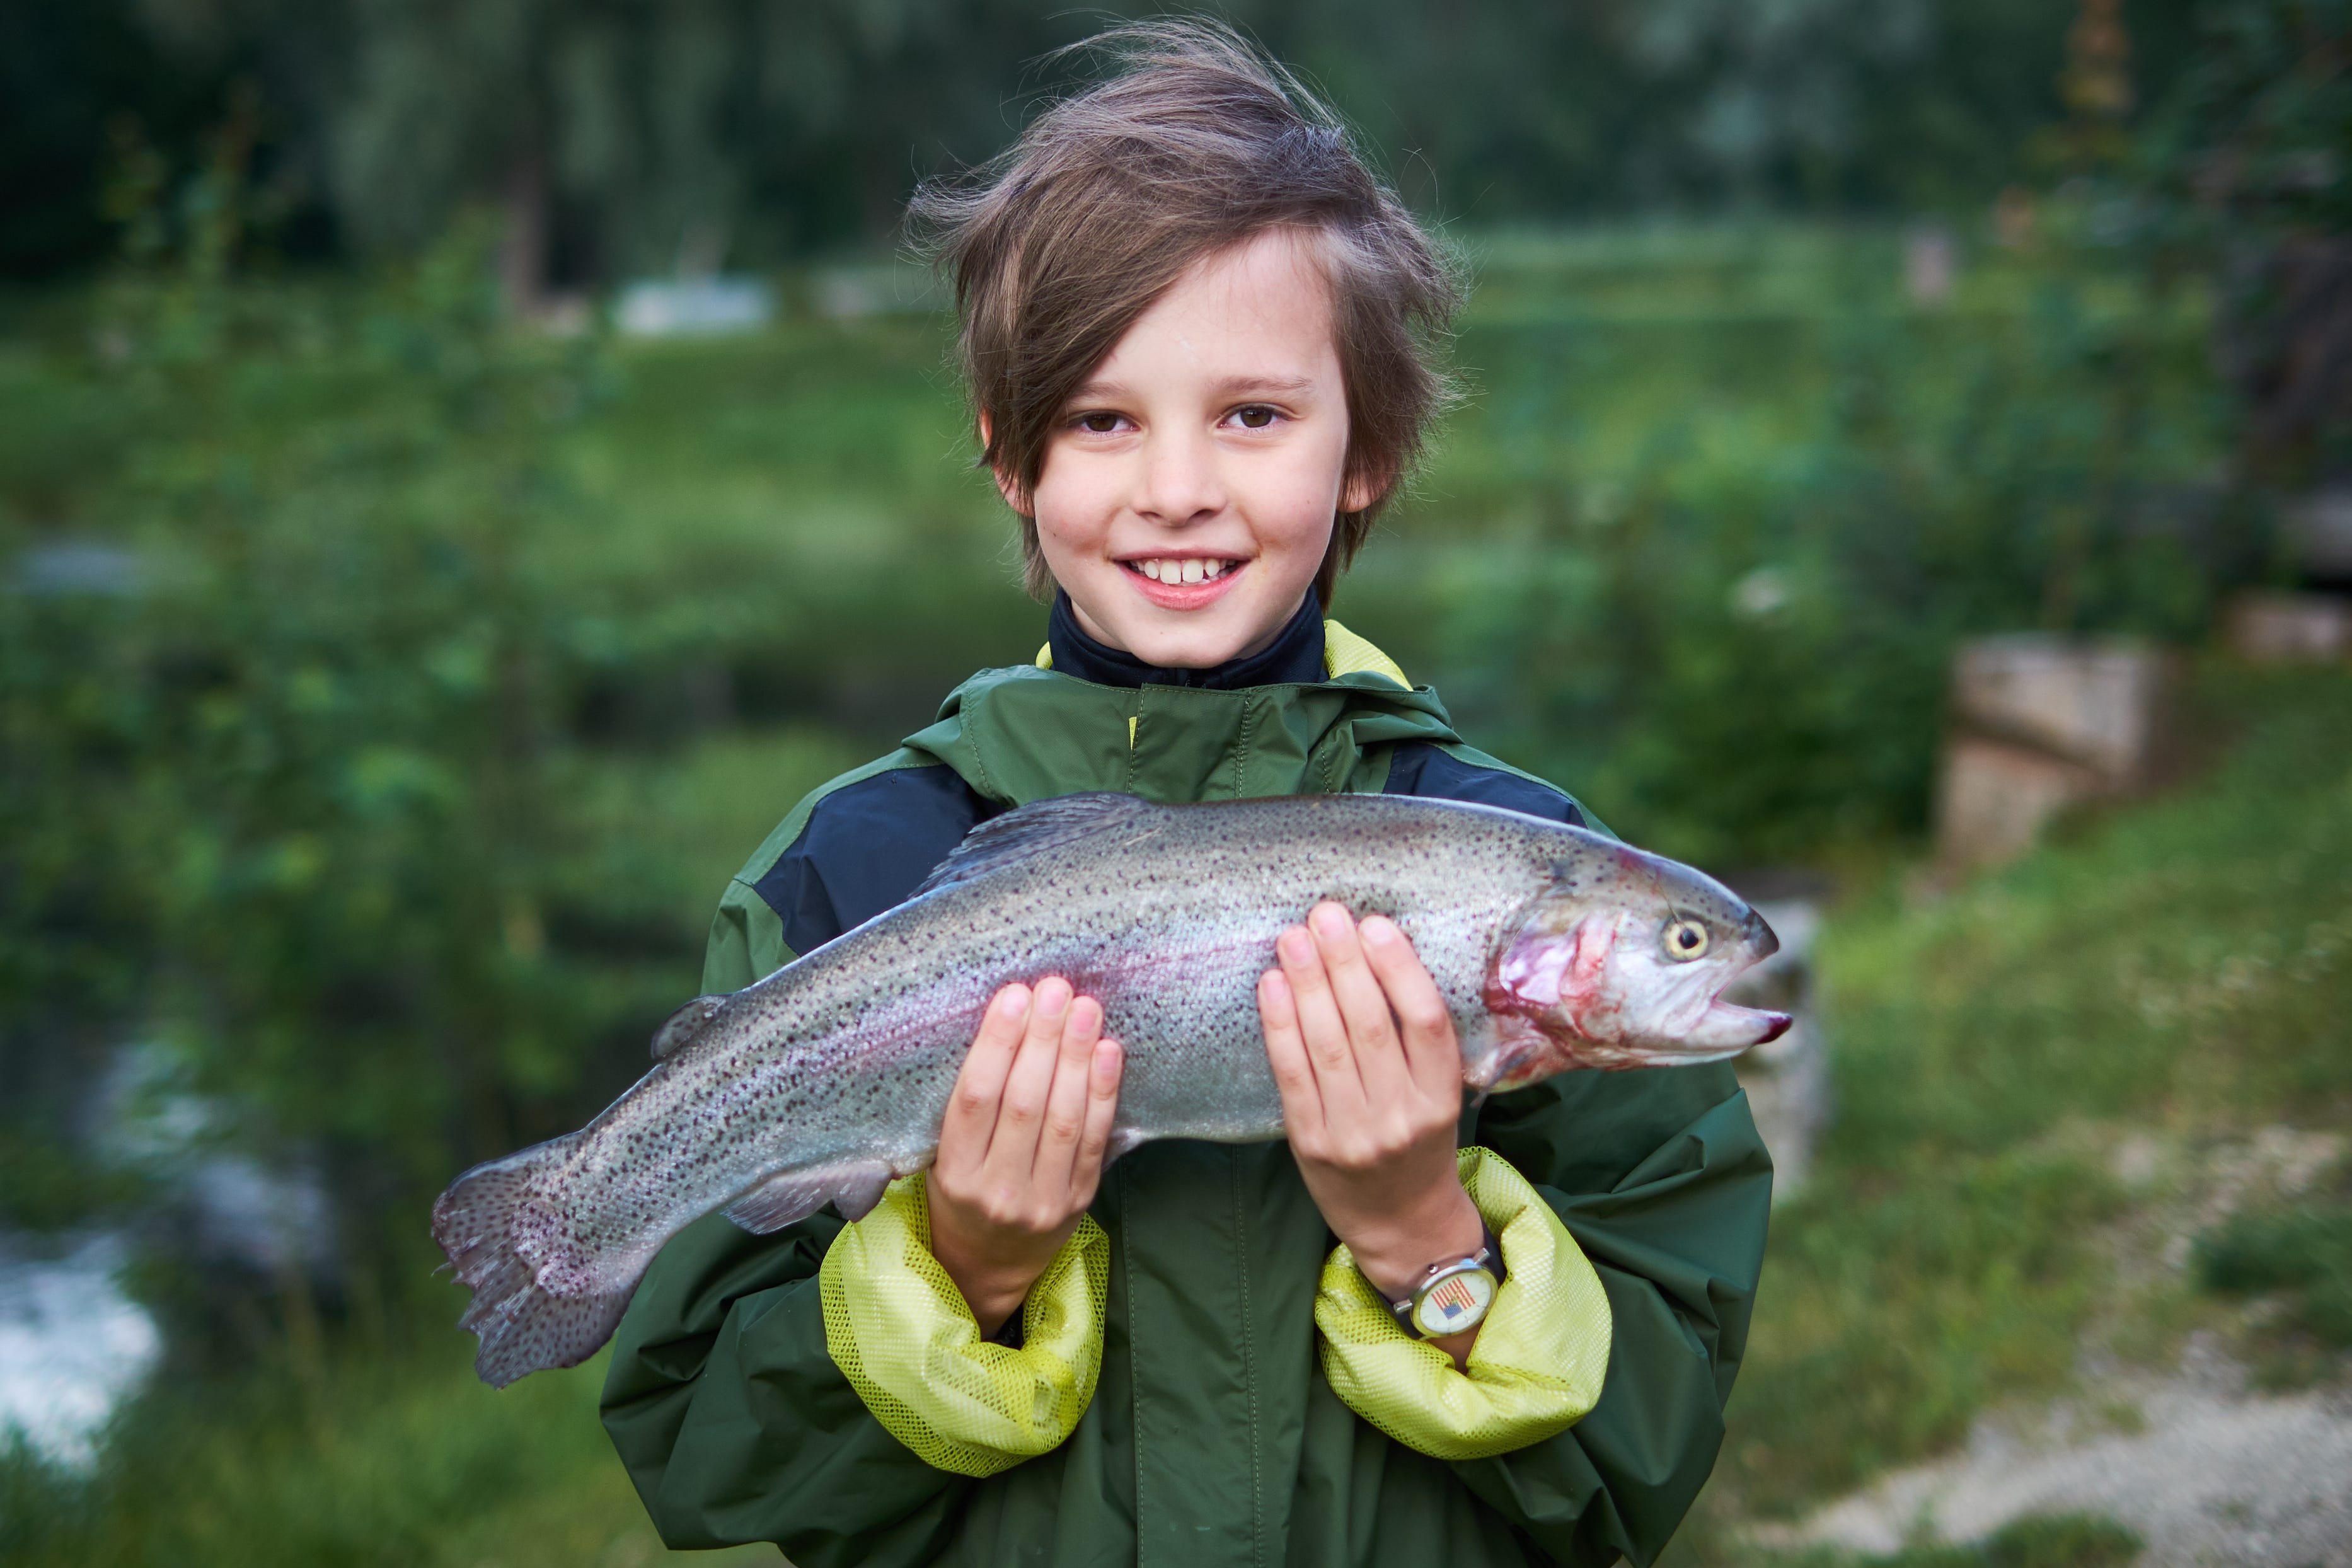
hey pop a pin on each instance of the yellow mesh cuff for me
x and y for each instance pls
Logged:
(1540, 1357)
(900, 1330)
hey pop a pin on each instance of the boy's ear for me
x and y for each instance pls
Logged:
(1363, 491)
(1007, 485)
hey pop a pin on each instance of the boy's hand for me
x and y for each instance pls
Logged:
(1022, 1151)
(1370, 1073)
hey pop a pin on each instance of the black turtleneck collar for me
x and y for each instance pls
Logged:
(1294, 657)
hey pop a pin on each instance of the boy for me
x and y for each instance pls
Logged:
(1190, 329)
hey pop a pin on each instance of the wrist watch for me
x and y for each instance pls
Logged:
(1453, 1297)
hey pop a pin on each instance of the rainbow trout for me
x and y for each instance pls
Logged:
(1556, 949)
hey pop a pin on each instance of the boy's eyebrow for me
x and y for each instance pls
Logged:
(1231, 387)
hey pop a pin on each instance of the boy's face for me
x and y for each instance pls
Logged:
(1186, 499)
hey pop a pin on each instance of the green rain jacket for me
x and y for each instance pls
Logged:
(1212, 1438)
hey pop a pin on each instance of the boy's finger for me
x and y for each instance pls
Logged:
(1013, 1151)
(1065, 1102)
(1363, 1005)
(1286, 1052)
(970, 1122)
(1320, 1026)
(1433, 1051)
(1102, 1114)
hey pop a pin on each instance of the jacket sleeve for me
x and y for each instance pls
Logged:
(1660, 1178)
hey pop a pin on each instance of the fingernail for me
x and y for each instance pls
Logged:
(1296, 946)
(1379, 929)
(1012, 1002)
(1330, 919)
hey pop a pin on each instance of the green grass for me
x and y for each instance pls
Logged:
(2299, 1255)
(2045, 1540)
(2183, 967)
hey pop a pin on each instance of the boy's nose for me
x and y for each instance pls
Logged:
(1180, 480)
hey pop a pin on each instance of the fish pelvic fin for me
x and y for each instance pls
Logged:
(534, 1307)
(854, 1187)
(1037, 828)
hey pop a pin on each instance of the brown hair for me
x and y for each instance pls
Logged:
(1194, 143)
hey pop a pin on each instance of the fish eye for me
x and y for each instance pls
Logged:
(1685, 938)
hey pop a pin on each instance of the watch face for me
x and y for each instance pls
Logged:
(1455, 1303)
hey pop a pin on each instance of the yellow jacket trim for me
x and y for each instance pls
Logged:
(1536, 1367)
(900, 1330)
(1344, 653)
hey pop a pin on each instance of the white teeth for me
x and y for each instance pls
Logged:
(1167, 569)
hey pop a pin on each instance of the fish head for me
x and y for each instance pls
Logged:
(1621, 962)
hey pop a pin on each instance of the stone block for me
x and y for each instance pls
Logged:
(2100, 704)
(1996, 797)
(2288, 629)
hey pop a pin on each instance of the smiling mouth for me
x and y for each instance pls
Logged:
(1183, 582)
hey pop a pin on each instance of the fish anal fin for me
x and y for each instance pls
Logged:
(853, 1187)
(684, 1025)
(1037, 828)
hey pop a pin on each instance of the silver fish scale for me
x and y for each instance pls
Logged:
(1167, 918)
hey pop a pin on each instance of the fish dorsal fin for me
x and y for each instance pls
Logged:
(1028, 831)
(684, 1025)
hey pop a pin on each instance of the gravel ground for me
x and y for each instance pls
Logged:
(2204, 1471)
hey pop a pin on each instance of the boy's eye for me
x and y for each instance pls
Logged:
(1099, 423)
(1256, 416)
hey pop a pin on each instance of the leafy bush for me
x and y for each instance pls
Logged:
(284, 745)
(1727, 619)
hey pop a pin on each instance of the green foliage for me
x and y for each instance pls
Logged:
(2238, 174)
(627, 137)
(1705, 542)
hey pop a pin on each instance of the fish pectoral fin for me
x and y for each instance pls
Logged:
(1035, 829)
(684, 1025)
(853, 1187)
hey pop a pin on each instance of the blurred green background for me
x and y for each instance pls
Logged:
(395, 657)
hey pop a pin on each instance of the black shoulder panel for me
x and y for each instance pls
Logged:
(1416, 767)
(867, 846)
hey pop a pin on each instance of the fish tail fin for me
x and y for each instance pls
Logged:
(534, 1306)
